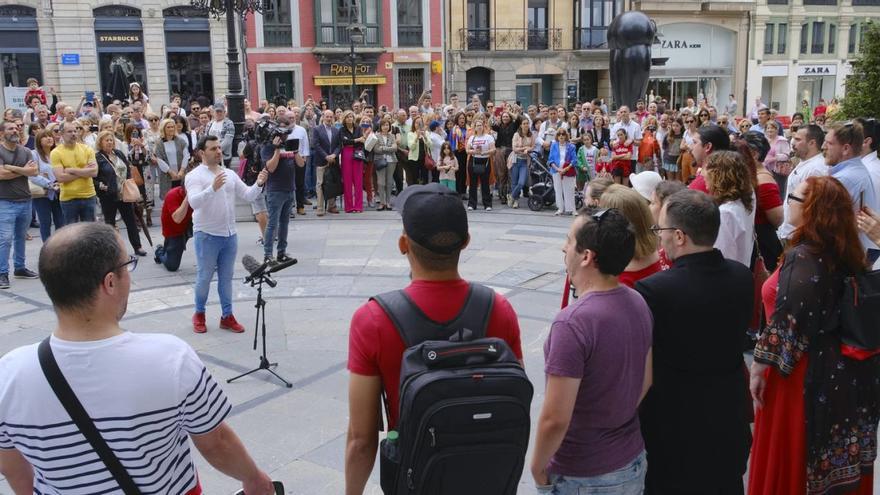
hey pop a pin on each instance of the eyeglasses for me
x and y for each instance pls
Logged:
(129, 265)
(791, 197)
(689, 121)
(656, 229)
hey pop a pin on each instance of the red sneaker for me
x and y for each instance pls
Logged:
(229, 323)
(199, 323)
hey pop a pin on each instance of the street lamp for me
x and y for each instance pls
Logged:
(355, 35)
(231, 8)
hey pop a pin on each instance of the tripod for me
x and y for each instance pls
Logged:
(261, 329)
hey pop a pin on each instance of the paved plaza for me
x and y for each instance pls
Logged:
(298, 434)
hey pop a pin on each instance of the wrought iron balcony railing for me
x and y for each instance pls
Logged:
(594, 38)
(336, 34)
(510, 39)
(409, 35)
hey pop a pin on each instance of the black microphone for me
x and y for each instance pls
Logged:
(257, 270)
(281, 266)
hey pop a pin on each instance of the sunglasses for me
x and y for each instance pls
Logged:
(689, 121)
(153, 120)
(791, 197)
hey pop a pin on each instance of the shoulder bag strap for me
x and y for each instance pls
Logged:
(477, 310)
(81, 418)
(412, 325)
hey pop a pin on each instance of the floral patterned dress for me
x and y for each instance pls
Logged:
(820, 407)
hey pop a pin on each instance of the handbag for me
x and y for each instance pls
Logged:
(380, 161)
(81, 418)
(130, 192)
(136, 176)
(429, 162)
(360, 155)
(859, 314)
(332, 185)
(36, 191)
(479, 165)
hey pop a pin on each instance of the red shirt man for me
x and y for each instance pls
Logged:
(435, 233)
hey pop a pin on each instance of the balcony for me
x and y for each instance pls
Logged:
(595, 38)
(277, 35)
(334, 34)
(510, 39)
(409, 35)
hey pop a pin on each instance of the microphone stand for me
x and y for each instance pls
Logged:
(261, 329)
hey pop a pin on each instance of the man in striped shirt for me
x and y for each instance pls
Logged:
(147, 394)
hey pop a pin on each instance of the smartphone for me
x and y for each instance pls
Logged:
(861, 200)
(90, 96)
(279, 489)
(291, 145)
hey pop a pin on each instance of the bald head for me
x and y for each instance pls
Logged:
(75, 260)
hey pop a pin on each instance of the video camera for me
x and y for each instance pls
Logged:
(267, 130)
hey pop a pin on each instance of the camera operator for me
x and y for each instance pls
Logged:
(281, 162)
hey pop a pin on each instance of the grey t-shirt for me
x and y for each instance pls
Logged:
(16, 189)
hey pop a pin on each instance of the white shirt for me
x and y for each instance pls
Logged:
(481, 144)
(736, 235)
(633, 132)
(300, 133)
(146, 392)
(214, 211)
(811, 167)
(872, 163)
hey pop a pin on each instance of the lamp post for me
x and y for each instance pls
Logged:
(355, 35)
(231, 9)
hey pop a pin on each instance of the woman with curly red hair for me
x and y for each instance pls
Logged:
(817, 409)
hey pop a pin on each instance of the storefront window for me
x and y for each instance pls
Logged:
(188, 43)
(19, 46)
(189, 75)
(120, 45)
(811, 88)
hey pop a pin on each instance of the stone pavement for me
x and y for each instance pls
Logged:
(298, 435)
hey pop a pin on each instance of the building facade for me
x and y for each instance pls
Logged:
(80, 47)
(705, 47)
(801, 50)
(298, 49)
(530, 50)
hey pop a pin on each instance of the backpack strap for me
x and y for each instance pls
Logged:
(414, 327)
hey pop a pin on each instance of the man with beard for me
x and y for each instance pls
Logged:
(16, 165)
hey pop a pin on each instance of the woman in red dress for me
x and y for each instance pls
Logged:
(817, 410)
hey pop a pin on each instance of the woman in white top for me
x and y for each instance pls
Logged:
(480, 147)
(172, 154)
(730, 183)
(46, 203)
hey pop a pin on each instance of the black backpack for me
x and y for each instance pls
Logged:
(464, 404)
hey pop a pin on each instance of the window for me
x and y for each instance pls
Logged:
(409, 23)
(277, 30)
(817, 45)
(593, 19)
(478, 24)
(781, 38)
(805, 31)
(832, 38)
(336, 16)
(853, 36)
(537, 18)
(768, 39)
(820, 2)
(777, 2)
(279, 86)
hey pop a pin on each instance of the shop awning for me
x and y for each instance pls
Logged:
(365, 80)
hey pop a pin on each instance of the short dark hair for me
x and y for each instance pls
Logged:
(668, 188)
(714, 135)
(757, 142)
(796, 115)
(694, 213)
(764, 110)
(611, 237)
(75, 260)
(203, 142)
(435, 262)
(815, 133)
(869, 128)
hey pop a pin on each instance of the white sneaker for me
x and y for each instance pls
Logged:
(470, 208)
(488, 208)
(510, 201)
(558, 213)
(515, 205)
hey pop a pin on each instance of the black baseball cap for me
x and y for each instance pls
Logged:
(433, 217)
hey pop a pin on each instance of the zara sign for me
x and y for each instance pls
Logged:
(817, 70)
(696, 46)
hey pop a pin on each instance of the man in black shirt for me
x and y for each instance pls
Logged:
(16, 165)
(280, 195)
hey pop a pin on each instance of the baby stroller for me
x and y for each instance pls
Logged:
(541, 193)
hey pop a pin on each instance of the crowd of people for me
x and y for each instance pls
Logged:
(703, 235)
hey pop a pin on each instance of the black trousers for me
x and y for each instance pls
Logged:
(300, 181)
(172, 251)
(462, 172)
(483, 180)
(109, 207)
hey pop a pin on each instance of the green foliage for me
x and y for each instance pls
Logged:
(863, 85)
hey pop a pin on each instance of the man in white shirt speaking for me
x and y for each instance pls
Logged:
(211, 189)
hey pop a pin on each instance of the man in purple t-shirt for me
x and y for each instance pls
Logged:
(598, 367)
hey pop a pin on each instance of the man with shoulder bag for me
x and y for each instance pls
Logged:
(459, 420)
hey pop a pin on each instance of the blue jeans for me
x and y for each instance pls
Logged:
(49, 213)
(215, 253)
(79, 210)
(628, 480)
(15, 218)
(279, 204)
(518, 175)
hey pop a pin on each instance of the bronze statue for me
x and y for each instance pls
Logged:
(630, 37)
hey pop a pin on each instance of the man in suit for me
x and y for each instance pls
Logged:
(327, 147)
(695, 419)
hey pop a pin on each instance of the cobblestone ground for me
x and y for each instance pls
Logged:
(298, 434)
